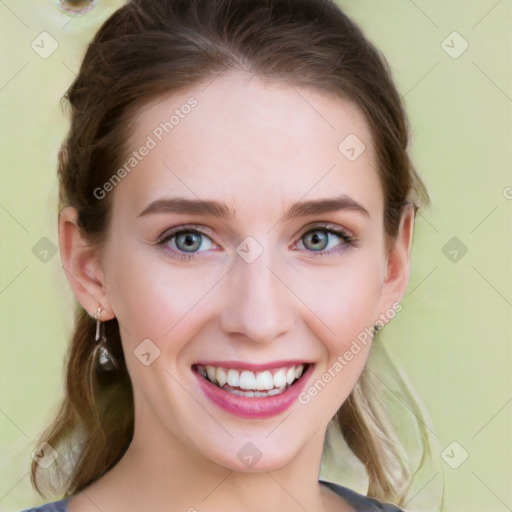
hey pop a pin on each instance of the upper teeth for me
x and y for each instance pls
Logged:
(249, 380)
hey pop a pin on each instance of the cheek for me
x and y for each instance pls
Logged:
(346, 302)
(345, 298)
(152, 298)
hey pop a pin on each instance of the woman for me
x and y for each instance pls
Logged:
(237, 209)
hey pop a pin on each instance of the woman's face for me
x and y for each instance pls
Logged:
(220, 265)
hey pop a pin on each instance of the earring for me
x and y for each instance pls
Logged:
(105, 358)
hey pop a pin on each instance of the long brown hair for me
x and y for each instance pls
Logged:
(150, 49)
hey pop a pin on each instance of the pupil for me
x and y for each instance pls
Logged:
(190, 240)
(317, 238)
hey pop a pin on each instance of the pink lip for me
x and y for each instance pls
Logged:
(255, 407)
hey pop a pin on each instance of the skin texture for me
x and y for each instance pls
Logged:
(259, 147)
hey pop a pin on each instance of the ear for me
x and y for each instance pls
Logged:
(398, 267)
(82, 265)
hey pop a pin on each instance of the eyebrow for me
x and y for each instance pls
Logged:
(220, 210)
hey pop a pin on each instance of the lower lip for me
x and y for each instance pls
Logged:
(253, 407)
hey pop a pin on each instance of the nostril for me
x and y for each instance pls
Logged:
(77, 6)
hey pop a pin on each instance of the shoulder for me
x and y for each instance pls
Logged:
(54, 506)
(359, 502)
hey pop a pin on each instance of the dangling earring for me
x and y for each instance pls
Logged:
(105, 358)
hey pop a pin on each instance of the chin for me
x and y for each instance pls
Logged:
(253, 456)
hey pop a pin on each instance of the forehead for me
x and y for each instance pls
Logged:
(253, 143)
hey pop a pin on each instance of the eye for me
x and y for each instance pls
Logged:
(320, 238)
(184, 243)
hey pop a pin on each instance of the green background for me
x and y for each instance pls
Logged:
(453, 337)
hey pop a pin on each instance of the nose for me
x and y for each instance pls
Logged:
(258, 303)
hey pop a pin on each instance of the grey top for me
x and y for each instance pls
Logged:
(359, 502)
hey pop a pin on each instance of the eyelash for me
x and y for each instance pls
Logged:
(344, 235)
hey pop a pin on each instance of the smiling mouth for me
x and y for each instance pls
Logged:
(249, 383)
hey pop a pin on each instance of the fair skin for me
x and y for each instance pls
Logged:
(259, 147)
